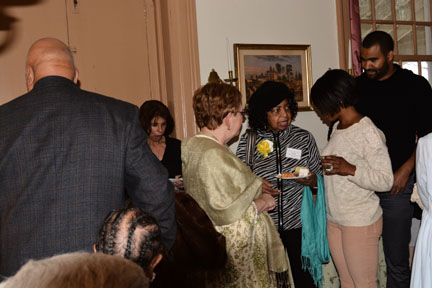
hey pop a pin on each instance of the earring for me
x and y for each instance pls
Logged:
(153, 277)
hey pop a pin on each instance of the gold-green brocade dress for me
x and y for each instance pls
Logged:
(225, 188)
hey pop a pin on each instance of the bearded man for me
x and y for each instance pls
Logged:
(399, 103)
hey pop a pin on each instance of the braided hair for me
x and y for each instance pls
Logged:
(132, 234)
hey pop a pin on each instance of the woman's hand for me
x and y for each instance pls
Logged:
(265, 203)
(178, 184)
(270, 202)
(336, 165)
(311, 180)
(267, 188)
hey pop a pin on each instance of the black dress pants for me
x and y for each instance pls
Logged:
(397, 216)
(291, 239)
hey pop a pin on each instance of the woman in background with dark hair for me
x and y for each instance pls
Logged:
(356, 164)
(272, 109)
(159, 124)
(198, 246)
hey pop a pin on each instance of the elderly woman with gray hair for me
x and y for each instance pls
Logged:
(271, 111)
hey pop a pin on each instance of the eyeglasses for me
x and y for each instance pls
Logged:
(276, 110)
(242, 112)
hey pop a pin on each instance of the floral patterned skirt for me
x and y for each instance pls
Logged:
(247, 257)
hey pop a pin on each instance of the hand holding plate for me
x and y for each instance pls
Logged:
(310, 180)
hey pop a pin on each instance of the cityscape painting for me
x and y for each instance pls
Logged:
(290, 64)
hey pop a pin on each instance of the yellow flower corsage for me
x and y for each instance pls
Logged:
(264, 147)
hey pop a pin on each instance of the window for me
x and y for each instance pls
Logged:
(409, 23)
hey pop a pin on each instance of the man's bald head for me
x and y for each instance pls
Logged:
(49, 57)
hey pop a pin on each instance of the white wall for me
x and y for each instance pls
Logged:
(310, 22)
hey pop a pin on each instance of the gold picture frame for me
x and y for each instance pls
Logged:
(290, 64)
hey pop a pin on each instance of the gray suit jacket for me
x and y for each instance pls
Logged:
(67, 158)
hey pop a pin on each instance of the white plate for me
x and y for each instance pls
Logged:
(291, 178)
(175, 180)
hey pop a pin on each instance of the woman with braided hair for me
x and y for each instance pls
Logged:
(133, 234)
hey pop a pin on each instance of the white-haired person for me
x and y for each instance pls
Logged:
(79, 270)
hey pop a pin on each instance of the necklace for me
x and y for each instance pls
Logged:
(158, 148)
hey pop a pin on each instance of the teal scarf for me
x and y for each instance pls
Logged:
(315, 250)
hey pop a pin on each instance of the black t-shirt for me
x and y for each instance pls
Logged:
(401, 106)
(172, 157)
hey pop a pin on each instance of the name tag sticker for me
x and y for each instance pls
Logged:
(293, 153)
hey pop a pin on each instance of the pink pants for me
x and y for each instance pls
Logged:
(355, 253)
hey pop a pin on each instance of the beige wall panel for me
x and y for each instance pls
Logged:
(109, 41)
(310, 22)
(181, 62)
(155, 53)
(33, 20)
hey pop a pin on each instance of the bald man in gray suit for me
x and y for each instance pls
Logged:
(67, 158)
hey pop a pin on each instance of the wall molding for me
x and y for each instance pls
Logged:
(174, 59)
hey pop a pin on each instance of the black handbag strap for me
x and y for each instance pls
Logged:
(250, 148)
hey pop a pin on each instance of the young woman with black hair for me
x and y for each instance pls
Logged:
(356, 164)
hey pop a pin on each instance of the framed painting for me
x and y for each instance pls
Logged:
(290, 64)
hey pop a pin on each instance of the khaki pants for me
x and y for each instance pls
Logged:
(355, 253)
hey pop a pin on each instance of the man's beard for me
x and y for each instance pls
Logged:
(379, 73)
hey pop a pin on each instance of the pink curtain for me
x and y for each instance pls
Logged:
(355, 36)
